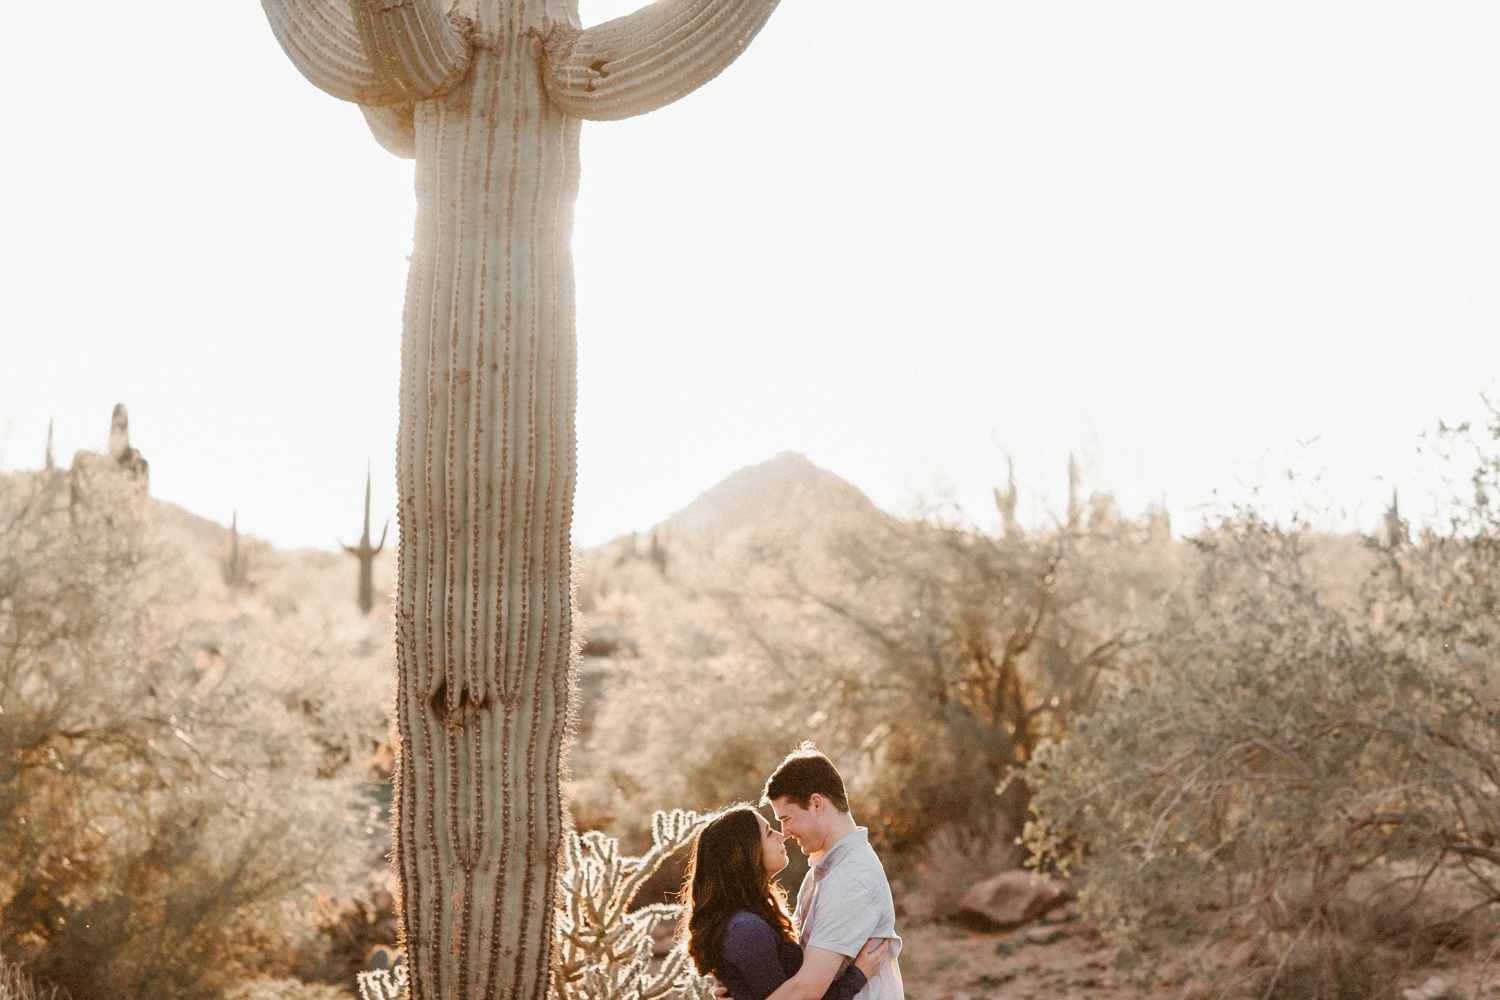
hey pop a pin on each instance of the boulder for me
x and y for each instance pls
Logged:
(1012, 898)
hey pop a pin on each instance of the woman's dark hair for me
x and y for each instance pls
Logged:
(727, 874)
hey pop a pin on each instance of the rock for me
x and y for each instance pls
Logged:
(1430, 990)
(1046, 934)
(1012, 898)
(1061, 914)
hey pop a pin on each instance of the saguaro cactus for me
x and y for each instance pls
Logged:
(366, 553)
(235, 572)
(488, 97)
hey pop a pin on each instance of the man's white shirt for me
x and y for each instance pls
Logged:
(844, 901)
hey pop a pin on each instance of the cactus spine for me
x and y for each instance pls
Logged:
(366, 554)
(488, 97)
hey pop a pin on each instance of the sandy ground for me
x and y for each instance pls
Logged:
(944, 962)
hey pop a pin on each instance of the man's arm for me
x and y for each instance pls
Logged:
(819, 967)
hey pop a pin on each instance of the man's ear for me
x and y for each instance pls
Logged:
(815, 801)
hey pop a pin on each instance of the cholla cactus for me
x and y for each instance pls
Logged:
(383, 984)
(488, 96)
(603, 950)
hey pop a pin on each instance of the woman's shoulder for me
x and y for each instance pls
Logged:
(745, 920)
(747, 931)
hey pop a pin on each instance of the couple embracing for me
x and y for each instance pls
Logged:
(840, 943)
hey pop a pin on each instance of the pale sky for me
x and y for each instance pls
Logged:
(905, 239)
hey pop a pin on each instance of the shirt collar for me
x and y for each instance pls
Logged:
(861, 835)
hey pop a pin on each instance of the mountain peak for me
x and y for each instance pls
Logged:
(786, 490)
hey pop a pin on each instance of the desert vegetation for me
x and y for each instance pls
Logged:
(174, 785)
(1264, 758)
(1266, 749)
(1320, 781)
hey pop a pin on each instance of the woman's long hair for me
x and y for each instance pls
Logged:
(726, 875)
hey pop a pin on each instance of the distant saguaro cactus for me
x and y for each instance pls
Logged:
(366, 553)
(1397, 531)
(1005, 502)
(120, 464)
(130, 461)
(488, 97)
(235, 571)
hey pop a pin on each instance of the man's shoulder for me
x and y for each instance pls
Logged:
(852, 881)
(860, 865)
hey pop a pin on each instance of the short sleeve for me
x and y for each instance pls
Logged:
(847, 918)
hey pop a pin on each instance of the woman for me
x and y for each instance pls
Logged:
(739, 930)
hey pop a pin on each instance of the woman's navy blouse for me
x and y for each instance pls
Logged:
(754, 960)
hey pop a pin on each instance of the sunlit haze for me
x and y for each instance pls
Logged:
(1195, 244)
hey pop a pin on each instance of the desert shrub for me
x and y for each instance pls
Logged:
(350, 932)
(960, 650)
(160, 807)
(1311, 775)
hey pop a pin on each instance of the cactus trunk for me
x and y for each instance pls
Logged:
(485, 469)
(488, 98)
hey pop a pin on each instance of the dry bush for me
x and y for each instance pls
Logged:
(1313, 777)
(952, 859)
(348, 931)
(160, 806)
(958, 651)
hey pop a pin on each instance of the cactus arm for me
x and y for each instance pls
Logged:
(413, 46)
(394, 127)
(646, 60)
(321, 38)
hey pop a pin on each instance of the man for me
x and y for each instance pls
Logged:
(845, 899)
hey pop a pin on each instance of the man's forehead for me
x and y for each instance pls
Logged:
(784, 806)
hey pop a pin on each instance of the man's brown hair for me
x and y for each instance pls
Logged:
(804, 773)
